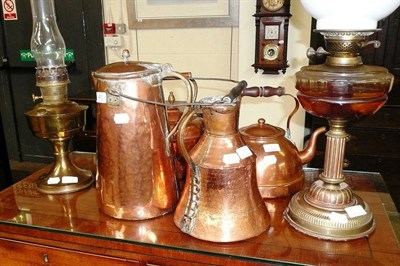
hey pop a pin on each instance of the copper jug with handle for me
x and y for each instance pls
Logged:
(135, 175)
(220, 201)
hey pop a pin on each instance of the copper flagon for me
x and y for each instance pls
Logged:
(221, 201)
(136, 177)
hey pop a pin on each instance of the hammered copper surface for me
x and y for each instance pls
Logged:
(220, 201)
(136, 177)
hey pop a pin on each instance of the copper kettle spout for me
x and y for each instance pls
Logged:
(308, 153)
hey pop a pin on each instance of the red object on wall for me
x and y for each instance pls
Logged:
(109, 28)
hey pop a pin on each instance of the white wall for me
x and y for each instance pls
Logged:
(223, 53)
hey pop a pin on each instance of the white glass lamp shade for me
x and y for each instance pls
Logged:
(349, 14)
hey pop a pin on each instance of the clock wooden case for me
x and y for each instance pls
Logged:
(272, 23)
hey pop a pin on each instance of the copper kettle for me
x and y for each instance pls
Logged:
(221, 201)
(279, 164)
(135, 176)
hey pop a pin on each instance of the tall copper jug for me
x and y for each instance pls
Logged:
(220, 201)
(135, 176)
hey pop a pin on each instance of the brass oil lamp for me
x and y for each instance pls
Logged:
(340, 90)
(55, 118)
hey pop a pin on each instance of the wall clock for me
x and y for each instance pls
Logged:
(273, 5)
(272, 23)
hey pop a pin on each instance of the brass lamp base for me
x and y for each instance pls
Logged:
(324, 223)
(329, 209)
(64, 177)
(57, 122)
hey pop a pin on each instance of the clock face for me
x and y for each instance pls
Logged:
(271, 32)
(273, 5)
(271, 52)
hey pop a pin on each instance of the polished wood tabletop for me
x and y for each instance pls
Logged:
(75, 220)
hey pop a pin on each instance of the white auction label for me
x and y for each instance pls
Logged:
(231, 158)
(69, 179)
(53, 180)
(355, 211)
(269, 159)
(319, 183)
(121, 118)
(343, 185)
(101, 97)
(338, 218)
(274, 147)
(244, 152)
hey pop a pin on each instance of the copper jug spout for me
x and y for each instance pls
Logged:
(307, 154)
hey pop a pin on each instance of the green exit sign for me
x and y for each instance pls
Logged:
(26, 55)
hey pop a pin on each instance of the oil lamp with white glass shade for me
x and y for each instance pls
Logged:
(340, 90)
(55, 118)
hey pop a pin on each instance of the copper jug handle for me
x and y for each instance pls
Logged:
(190, 92)
(188, 76)
(190, 211)
(181, 144)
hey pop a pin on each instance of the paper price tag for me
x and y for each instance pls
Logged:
(53, 180)
(319, 183)
(244, 152)
(271, 147)
(121, 118)
(69, 179)
(269, 159)
(343, 185)
(338, 218)
(101, 97)
(355, 211)
(231, 158)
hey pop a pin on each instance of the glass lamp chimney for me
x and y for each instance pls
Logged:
(47, 44)
(48, 49)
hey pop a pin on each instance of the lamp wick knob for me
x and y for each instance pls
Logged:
(35, 98)
(320, 52)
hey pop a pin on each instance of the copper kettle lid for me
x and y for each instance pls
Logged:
(128, 69)
(261, 130)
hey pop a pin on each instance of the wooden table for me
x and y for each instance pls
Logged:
(36, 228)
